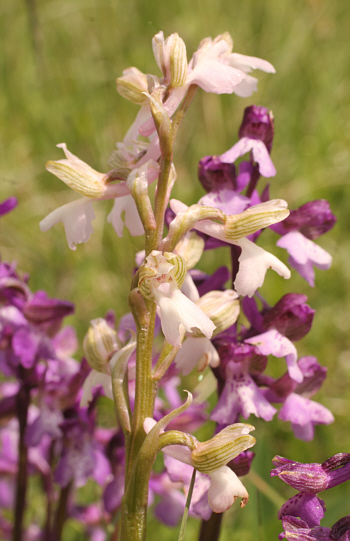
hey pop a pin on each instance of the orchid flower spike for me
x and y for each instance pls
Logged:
(160, 279)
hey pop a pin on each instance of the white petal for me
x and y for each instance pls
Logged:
(76, 218)
(131, 220)
(253, 264)
(96, 379)
(178, 309)
(224, 489)
(246, 63)
(193, 350)
(247, 87)
(189, 289)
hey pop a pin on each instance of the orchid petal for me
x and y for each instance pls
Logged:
(224, 489)
(178, 310)
(274, 343)
(76, 218)
(254, 261)
(193, 351)
(132, 219)
(260, 155)
(96, 379)
(304, 253)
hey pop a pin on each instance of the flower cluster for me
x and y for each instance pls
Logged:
(213, 67)
(301, 514)
(180, 320)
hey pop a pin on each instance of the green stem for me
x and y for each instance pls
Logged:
(185, 105)
(145, 390)
(165, 359)
(161, 201)
(187, 507)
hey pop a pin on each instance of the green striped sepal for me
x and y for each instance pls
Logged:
(211, 455)
(254, 218)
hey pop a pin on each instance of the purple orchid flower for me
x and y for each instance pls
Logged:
(301, 515)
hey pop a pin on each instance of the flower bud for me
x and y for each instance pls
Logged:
(312, 220)
(222, 307)
(100, 343)
(132, 86)
(211, 455)
(175, 56)
(190, 247)
(291, 316)
(78, 175)
(215, 175)
(258, 124)
(242, 463)
(254, 218)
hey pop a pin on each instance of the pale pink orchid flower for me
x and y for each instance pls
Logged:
(160, 279)
(225, 487)
(253, 261)
(216, 69)
(213, 67)
(78, 215)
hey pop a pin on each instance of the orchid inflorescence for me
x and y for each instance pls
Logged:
(180, 320)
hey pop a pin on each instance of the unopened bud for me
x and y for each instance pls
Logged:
(190, 247)
(254, 218)
(258, 124)
(132, 86)
(99, 344)
(175, 53)
(211, 455)
(222, 307)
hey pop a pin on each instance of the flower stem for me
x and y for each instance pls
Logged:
(61, 513)
(210, 529)
(22, 405)
(187, 507)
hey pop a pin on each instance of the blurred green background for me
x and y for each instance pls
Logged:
(59, 62)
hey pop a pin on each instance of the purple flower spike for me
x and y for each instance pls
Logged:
(291, 316)
(8, 205)
(258, 124)
(215, 175)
